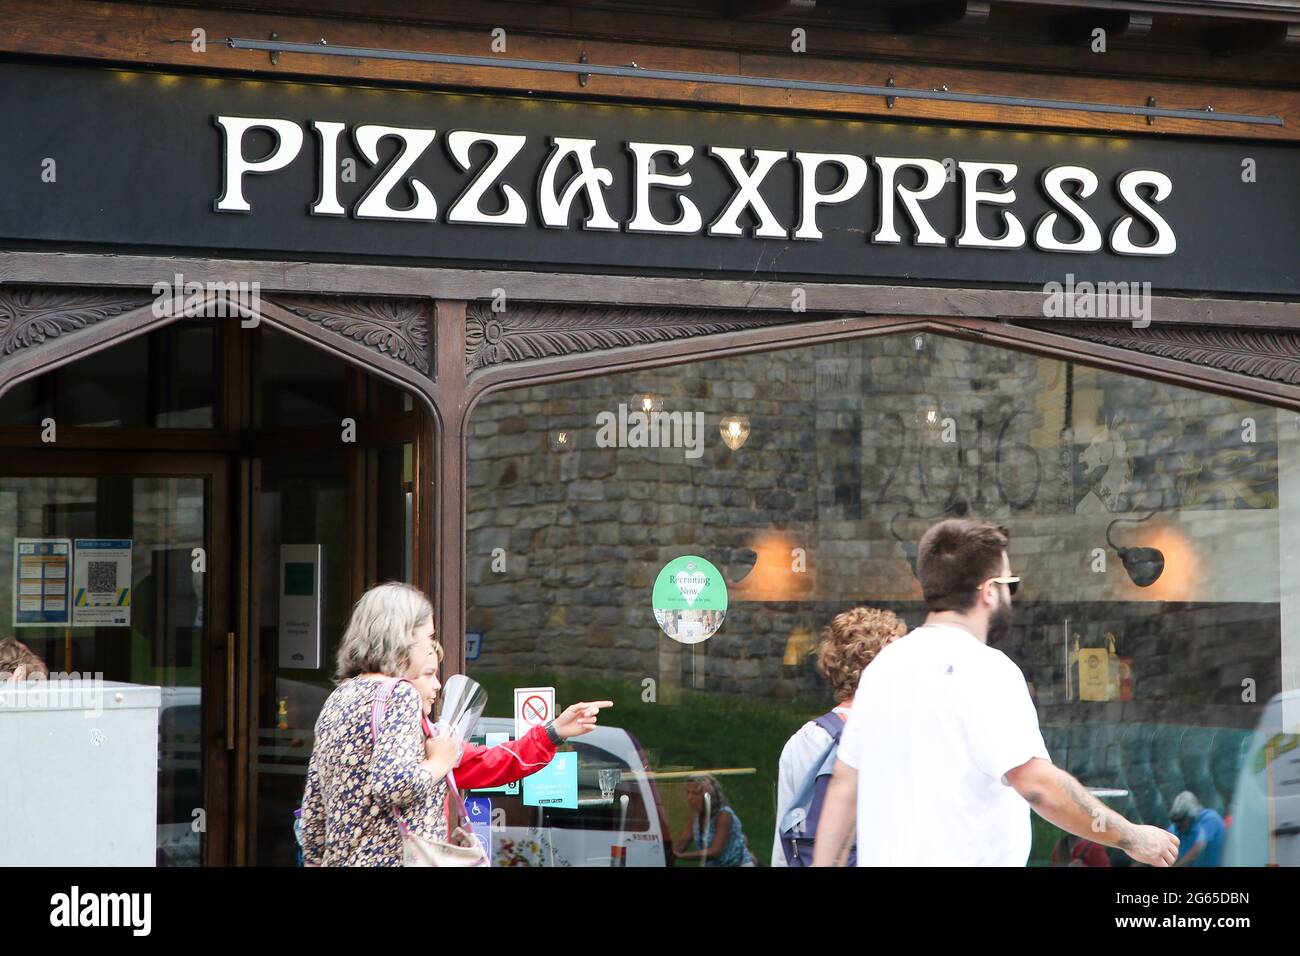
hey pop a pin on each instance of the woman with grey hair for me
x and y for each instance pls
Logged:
(375, 767)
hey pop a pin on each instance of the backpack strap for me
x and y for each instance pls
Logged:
(796, 815)
(832, 723)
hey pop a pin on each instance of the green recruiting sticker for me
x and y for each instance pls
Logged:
(690, 599)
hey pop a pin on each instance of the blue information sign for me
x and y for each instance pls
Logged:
(556, 785)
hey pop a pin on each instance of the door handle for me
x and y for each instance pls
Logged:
(230, 691)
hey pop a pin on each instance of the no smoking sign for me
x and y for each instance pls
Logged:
(534, 707)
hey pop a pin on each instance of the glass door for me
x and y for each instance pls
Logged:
(144, 602)
(328, 517)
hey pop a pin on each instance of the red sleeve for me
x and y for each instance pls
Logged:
(1096, 855)
(504, 763)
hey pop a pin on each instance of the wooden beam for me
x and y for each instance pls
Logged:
(326, 278)
(123, 33)
(1254, 37)
(755, 9)
(117, 33)
(1194, 9)
(1077, 28)
(449, 489)
(856, 31)
(934, 14)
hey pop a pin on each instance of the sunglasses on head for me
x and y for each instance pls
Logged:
(1012, 583)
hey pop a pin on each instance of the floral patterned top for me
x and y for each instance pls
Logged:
(354, 788)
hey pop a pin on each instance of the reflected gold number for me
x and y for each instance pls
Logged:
(1027, 500)
(898, 446)
(954, 487)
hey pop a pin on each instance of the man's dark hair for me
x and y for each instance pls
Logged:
(955, 557)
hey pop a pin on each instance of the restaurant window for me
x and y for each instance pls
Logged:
(805, 477)
(162, 380)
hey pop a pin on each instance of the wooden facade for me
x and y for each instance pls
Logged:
(429, 328)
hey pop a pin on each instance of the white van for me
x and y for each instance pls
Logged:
(587, 836)
(1269, 781)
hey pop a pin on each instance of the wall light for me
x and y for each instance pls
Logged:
(929, 413)
(1144, 565)
(734, 430)
(648, 402)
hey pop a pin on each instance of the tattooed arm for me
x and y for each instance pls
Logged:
(1060, 799)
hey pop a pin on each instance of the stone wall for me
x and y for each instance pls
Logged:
(854, 446)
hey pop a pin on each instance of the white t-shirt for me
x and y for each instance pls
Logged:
(938, 719)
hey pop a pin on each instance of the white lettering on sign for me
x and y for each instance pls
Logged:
(1013, 233)
(1054, 181)
(570, 175)
(503, 150)
(747, 195)
(690, 585)
(853, 178)
(644, 220)
(933, 181)
(288, 143)
(374, 204)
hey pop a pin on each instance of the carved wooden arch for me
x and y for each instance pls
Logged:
(43, 328)
(532, 344)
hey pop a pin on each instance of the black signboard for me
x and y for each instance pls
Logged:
(96, 157)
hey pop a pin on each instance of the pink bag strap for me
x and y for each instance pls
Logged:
(381, 704)
(456, 804)
(377, 710)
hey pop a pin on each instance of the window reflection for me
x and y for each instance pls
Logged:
(161, 380)
(1147, 521)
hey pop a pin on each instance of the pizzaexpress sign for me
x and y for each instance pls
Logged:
(292, 170)
(571, 176)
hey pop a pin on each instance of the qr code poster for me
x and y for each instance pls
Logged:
(101, 583)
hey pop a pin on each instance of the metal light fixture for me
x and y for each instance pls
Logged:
(734, 430)
(910, 547)
(1143, 565)
(563, 440)
(929, 413)
(647, 402)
